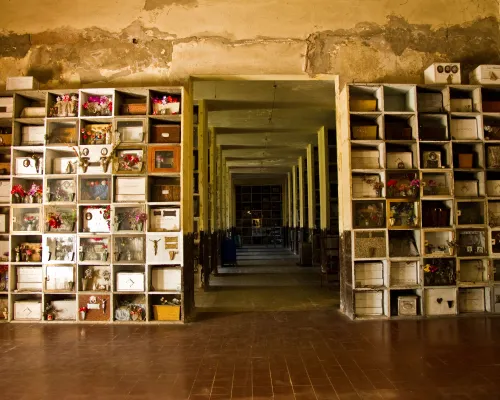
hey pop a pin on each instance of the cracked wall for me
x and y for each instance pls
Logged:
(144, 42)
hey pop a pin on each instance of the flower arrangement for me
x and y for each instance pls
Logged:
(129, 161)
(96, 135)
(28, 252)
(136, 312)
(98, 105)
(415, 183)
(49, 311)
(371, 216)
(137, 219)
(69, 218)
(89, 273)
(65, 106)
(165, 105)
(83, 309)
(439, 272)
(18, 192)
(35, 190)
(174, 302)
(401, 214)
(3, 269)
(54, 220)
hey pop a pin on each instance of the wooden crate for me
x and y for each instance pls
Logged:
(165, 134)
(167, 313)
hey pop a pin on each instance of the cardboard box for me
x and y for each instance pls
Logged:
(440, 301)
(130, 282)
(467, 188)
(368, 303)
(364, 132)
(166, 193)
(365, 159)
(404, 273)
(27, 310)
(493, 188)
(165, 134)
(166, 279)
(32, 135)
(363, 105)
(22, 83)
(407, 305)
(471, 300)
(461, 105)
(65, 310)
(463, 129)
(485, 75)
(369, 274)
(130, 189)
(430, 102)
(395, 160)
(448, 73)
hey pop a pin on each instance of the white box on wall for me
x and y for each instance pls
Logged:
(471, 300)
(461, 105)
(57, 278)
(463, 128)
(6, 107)
(166, 279)
(4, 191)
(493, 188)
(440, 301)
(369, 274)
(27, 166)
(361, 159)
(32, 134)
(362, 189)
(447, 73)
(65, 309)
(394, 160)
(130, 282)
(22, 83)
(369, 303)
(130, 189)
(164, 248)
(466, 188)
(27, 310)
(165, 219)
(485, 75)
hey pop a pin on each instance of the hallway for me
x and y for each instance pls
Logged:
(267, 279)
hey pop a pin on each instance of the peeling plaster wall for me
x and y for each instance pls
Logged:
(142, 42)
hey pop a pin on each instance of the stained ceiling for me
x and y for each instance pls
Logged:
(263, 126)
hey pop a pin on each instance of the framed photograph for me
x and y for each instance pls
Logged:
(94, 189)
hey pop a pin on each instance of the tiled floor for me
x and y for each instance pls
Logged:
(283, 355)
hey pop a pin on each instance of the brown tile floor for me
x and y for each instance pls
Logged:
(258, 354)
(254, 355)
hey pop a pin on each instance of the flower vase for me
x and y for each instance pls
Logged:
(29, 227)
(378, 193)
(48, 228)
(84, 283)
(81, 255)
(117, 256)
(134, 316)
(451, 251)
(26, 257)
(392, 221)
(139, 226)
(73, 225)
(39, 199)
(18, 257)
(72, 197)
(104, 256)
(104, 164)
(83, 315)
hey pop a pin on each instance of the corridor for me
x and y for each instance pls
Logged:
(267, 279)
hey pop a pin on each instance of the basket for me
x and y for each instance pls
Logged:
(134, 109)
(167, 313)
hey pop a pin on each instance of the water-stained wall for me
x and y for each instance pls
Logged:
(142, 42)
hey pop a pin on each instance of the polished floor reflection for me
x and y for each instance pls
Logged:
(254, 355)
(276, 335)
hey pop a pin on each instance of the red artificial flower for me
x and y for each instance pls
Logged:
(392, 182)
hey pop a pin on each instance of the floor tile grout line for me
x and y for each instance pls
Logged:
(289, 377)
(307, 372)
(369, 380)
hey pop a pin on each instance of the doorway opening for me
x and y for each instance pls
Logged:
(259, 170)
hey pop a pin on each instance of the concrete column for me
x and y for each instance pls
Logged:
(213, 178)
(311, 188)
(203, 151)
(294, 197)
(324, 181)
(301, 192)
